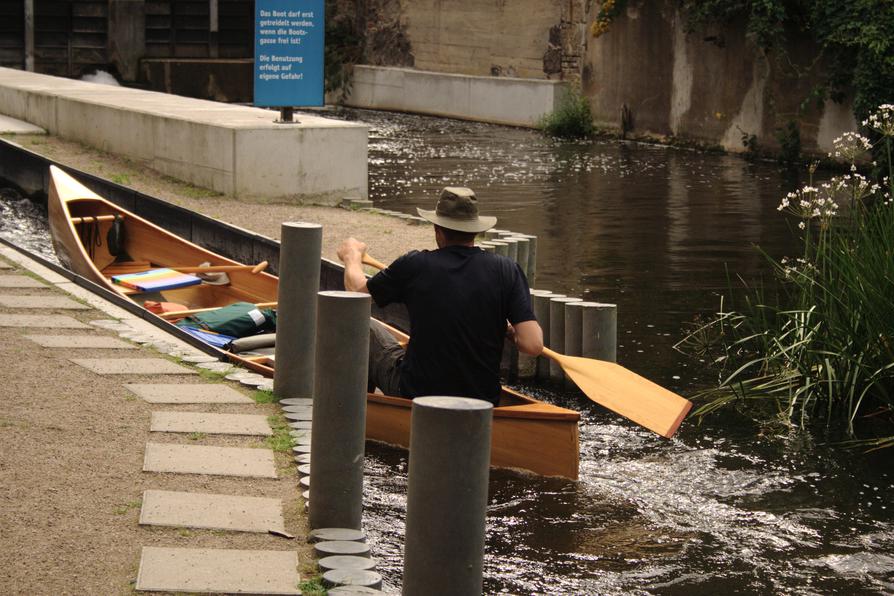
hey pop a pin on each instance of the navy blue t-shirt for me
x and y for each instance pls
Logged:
(459, 299)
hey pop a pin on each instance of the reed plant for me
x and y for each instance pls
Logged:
(821, 347)
(572, 118)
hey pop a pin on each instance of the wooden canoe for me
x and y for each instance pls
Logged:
(527, 434)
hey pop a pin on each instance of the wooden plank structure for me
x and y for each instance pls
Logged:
(527, 434)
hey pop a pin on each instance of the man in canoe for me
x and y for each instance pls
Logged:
(460, 299)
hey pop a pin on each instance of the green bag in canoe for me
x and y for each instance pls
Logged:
(239, 319)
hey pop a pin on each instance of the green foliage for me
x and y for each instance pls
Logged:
(263, 397)
(855, 39)
(281, 440)
(789, 139)
(572, 119)
(313, 586)
(823, 348)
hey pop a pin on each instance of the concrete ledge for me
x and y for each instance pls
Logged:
(235, 150)
(501, 100)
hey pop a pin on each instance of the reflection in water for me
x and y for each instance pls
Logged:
(725, 507)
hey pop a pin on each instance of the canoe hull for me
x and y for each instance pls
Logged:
(527, 434)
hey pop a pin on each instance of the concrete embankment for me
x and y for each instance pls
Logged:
(236, 150)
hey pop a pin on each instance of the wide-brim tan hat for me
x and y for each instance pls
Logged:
(457, 209)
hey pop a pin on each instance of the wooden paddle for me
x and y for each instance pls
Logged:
(618, 389)
(221, 268)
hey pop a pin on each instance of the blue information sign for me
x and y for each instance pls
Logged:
(289, 38)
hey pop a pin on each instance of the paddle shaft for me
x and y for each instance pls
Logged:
(221, 268)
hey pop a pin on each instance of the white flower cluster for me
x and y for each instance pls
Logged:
(850, 146)
(882, 120)
(792, 268)
(810, 202)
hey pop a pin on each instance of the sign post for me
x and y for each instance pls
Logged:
(289, 49)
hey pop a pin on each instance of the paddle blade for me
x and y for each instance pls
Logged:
(626, 393)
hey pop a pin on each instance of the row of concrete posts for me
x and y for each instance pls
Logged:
(322, 352)
(571, 326)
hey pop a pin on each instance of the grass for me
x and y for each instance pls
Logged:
(313, 586)
(196, 436)
(281, 440)
(124, 508)
(122, 179)
(264, 397)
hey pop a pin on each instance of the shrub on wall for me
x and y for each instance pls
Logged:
(572, 119)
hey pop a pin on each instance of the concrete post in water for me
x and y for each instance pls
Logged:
(599, 337)
(512, 247)
(557, 333)
(339, 430)
(447, 496)
(486, 246)
(493, 233)
(531, 270)
(523, 245)
(541, 311)
(573, 331)
(296, 313)
(527, 365)
(500, 247)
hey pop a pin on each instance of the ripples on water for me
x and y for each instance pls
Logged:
(725, 507)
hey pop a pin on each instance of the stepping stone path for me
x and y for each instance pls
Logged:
(216, 512)
(202, 459)
(44, 321)
(189, 394)
(45, 302)
(174, 569)
(80, 341)
(132, 366)
(216, 570)
(20, 281)
(213, 424)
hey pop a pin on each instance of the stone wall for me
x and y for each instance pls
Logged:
(714, 87)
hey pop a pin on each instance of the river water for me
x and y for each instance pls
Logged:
(727, 506)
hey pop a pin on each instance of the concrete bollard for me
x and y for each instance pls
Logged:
(523, 245)
(541, 300)
(531, 268)
(296, 312)
(573, 331)
(527, 365)
(447, 496)
(500, 247)
(557, 333)
(494, 233)
(487, 246)
(599, 335)
(338, 440)
(512, 247)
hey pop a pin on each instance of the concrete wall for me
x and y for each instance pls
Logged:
(517, 102)
(674, 83)
(231, 149)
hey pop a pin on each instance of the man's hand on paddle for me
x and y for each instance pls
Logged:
(351, 253)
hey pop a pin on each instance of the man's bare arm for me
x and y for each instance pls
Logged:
(529, 337)
(351, 254)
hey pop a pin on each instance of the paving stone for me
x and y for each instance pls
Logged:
(330, 534)
(5, 265)
(189, 394)
(304, 469)
(329, 548)
(218, 367)
(304, 481)
(80, 341)
(266, 385)
(26, 262)
(45, 321)
(297, 401)
(132, 366)
(301, 424)
(295, 416)
(216, 424)
(97, 302)
(302, 458)
(238, 376)
(8, 124)
(202, 459)
(197, 358)
(253, 381)
(20, 281)
(216, 570)
(297, 409)
(353, 577)
(352, 591)
(299, 449)
(45, 302)
(212, 511)
(345, 562)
